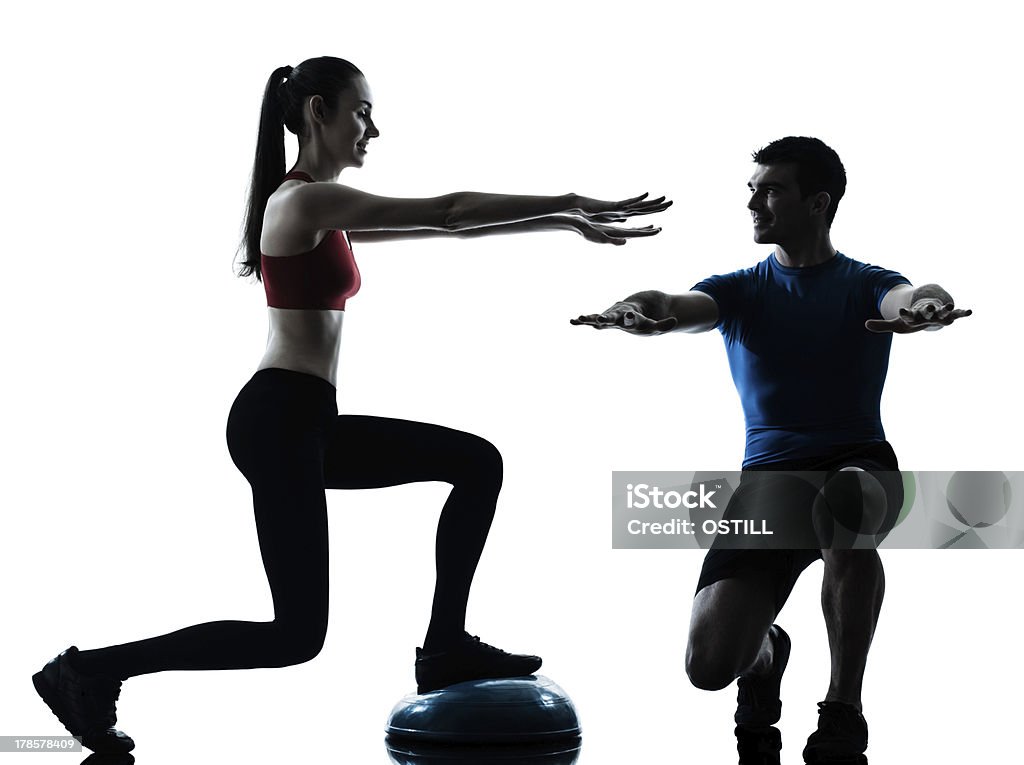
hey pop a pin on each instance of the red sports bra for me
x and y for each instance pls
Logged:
(322, 278)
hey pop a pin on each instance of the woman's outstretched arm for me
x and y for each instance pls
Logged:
(319, 206)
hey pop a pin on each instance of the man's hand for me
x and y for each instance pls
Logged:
(627, 317)
(928, 314)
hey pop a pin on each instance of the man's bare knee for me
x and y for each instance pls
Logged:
(727, 627)
(708, 671)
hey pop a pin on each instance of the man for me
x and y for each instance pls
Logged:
(807, 333)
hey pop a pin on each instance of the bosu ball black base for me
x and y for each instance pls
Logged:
(551, 753)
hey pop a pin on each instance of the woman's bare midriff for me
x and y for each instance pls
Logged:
(304, 340)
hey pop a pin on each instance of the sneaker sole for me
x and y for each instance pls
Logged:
(855, 759)
(429, 687)
(821, 756)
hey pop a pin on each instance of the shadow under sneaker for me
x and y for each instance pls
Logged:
(83, 703)
(757, 700)
(470, 659)
(841, 738)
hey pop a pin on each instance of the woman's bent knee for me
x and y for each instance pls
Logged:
(297, 645)
(475, 460)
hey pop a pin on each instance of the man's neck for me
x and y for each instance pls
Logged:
(810, 252)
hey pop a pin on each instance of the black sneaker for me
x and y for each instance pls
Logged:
(469, 660)
(842, 736)
(83, 703)
(757, 702)
(758, 745)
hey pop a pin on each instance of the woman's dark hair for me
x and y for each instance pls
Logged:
(818, 167)
(283, 102)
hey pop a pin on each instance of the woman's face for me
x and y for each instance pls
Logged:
(347, 131)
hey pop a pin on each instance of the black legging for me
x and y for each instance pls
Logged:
(285, 435)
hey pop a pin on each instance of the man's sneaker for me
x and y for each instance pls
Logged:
(758, 702)
(842, 735)
(470, 659)
(758, 745)
(83, 703)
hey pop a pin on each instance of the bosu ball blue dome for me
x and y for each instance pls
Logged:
(508, 711)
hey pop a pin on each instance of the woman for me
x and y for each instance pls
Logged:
(284, 432)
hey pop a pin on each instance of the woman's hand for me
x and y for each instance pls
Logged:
(598, 211)
(602, 233)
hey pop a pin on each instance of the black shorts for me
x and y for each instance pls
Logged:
(785, 566)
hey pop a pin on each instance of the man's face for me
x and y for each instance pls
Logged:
(779, 214)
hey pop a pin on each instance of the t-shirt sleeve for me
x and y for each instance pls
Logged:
(727, 291)
(879, 281)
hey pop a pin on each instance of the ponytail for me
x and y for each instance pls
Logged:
(268, 169)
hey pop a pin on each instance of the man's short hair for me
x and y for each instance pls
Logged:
(818, 167)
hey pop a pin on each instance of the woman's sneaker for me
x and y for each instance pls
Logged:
(83, 703)
(757, 700)
(470, 659)
(842, 736)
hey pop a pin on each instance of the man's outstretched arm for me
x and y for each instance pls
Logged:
(653, 312)
(906, 308)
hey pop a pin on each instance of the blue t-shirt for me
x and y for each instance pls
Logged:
(809, 374)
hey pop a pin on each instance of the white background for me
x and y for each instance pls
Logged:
(128, 134)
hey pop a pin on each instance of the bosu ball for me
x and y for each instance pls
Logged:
(514, 712)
